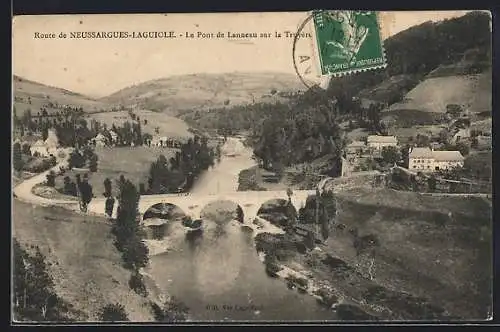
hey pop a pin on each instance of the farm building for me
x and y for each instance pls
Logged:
(424, 159)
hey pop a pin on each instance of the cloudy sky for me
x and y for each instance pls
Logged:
(98, 67)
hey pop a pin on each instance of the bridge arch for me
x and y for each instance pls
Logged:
(223, 210)
(158, 217)
(279, 211)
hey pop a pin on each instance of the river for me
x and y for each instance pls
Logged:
(218, 274)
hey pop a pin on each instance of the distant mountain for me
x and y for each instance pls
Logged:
(34, 95)
(203, 91)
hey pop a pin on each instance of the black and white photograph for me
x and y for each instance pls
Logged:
(324, 166)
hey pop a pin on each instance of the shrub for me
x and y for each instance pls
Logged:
(113, 313)
(173, 311)
(136, 283)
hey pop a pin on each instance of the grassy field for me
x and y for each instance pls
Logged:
(437, 248)
(85, 265)
(433, 94)
(131, 162)
(404, 133)
(168, 125)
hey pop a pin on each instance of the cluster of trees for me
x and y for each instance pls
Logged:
(180, 171)
(127, 134)
(307, 129)
(319, 209)
(34, 296)
(79, 188)
(83, 157)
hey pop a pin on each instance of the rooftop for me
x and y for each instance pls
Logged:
(356, 144)
(421, 153)
(381, 139)
(39, 143)
(436, 155)
(447, 156)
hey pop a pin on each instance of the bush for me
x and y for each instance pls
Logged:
(135, 253)
(136, 283)
(113, 313)
(173, 311)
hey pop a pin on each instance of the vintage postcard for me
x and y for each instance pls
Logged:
(227, 167)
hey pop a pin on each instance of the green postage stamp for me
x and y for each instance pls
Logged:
(348, 41)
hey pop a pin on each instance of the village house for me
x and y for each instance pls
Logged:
(378, 142)
(39, 148)
(424, 159)
(460, 135)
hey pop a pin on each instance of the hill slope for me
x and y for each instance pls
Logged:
(202, 91)
(34, 95)
(433, 94)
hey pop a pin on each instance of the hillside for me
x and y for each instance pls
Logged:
(34, 95)
(429, 247)
(85, 265)
(434, 93)
(202, 91)
(455, 47)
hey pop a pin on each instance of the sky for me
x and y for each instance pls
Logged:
(99, 67)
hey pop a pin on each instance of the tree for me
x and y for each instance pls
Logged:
(107, 187)
(85, 194)
(390, 155)
(75, 160)
(113, 313)
(69, 187)
(51, 177)
(26, 149)
(142, 189)
(93, 163)
(110, 202)
(17, 157)
(126, 224)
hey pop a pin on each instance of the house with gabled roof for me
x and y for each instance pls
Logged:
(425, 159)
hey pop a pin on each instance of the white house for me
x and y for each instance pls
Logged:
(428, 160)
(40, 148)
(52, 142)
(377, 142)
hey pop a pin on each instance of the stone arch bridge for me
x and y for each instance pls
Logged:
(193, 204)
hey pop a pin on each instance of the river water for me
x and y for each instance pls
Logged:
(218, 274)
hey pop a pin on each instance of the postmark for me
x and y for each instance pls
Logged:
(348, 41)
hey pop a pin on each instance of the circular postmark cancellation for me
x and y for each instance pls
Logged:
(344, 42)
